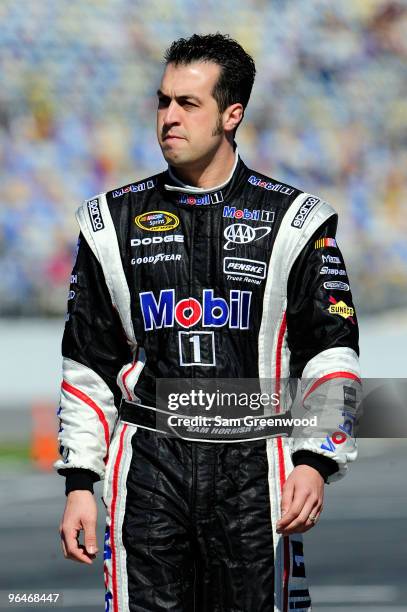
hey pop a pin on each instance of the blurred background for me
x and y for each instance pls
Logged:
(77, 116)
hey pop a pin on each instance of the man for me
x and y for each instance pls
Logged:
(207, 270)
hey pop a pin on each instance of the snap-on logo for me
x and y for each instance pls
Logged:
(95, 215)
(304, 211)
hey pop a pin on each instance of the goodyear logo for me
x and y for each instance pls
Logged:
(157, 221)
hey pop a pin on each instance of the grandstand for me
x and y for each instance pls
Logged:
(77, 116)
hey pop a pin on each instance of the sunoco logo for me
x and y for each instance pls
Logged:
(157, 221)
(341, 308)
(240, 233)
(95, 215)
(304, 211)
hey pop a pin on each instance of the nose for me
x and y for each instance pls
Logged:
(172, 114)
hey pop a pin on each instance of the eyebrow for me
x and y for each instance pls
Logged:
(161, 94)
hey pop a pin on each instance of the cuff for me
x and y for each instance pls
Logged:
(324, 465)
(78, 479)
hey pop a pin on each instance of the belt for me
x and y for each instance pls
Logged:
(155, 419)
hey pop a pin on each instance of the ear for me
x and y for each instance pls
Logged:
(232, 116)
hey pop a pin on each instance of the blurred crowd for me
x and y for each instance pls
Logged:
(77, 116)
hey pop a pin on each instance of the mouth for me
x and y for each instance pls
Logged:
(172, 137)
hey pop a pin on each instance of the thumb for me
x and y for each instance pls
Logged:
(90, 539)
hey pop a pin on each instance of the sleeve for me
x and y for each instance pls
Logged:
(94, 349)
(322, 336)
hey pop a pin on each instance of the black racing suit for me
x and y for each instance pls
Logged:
(189, 525)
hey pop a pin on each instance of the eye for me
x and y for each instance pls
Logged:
(187, 103)
(162, 102)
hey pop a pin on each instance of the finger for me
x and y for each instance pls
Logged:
(315, 513)
(63, 546)
(286, 501)
(293, 511)
(302, 523)
(90, 538)
(75, 551)
(287, 496)
(82, 556)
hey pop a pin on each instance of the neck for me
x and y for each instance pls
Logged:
(207, 174)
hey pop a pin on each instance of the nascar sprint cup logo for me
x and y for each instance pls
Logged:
(304, 211)
(157, 221)
(95, 215)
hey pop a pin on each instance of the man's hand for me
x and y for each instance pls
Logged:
(80, 513)
(302, 497)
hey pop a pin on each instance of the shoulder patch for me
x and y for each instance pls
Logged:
(95, 214)
(303, 211)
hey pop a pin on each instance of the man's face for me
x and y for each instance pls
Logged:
(189, 126)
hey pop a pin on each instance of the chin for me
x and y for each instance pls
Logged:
(174, 158)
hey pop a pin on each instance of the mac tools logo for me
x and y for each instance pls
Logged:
(240, 233)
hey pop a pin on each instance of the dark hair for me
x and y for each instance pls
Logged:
(238, 70)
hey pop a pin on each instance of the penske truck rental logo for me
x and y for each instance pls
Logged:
(157, 221)
(211, 311)
(245, 267)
